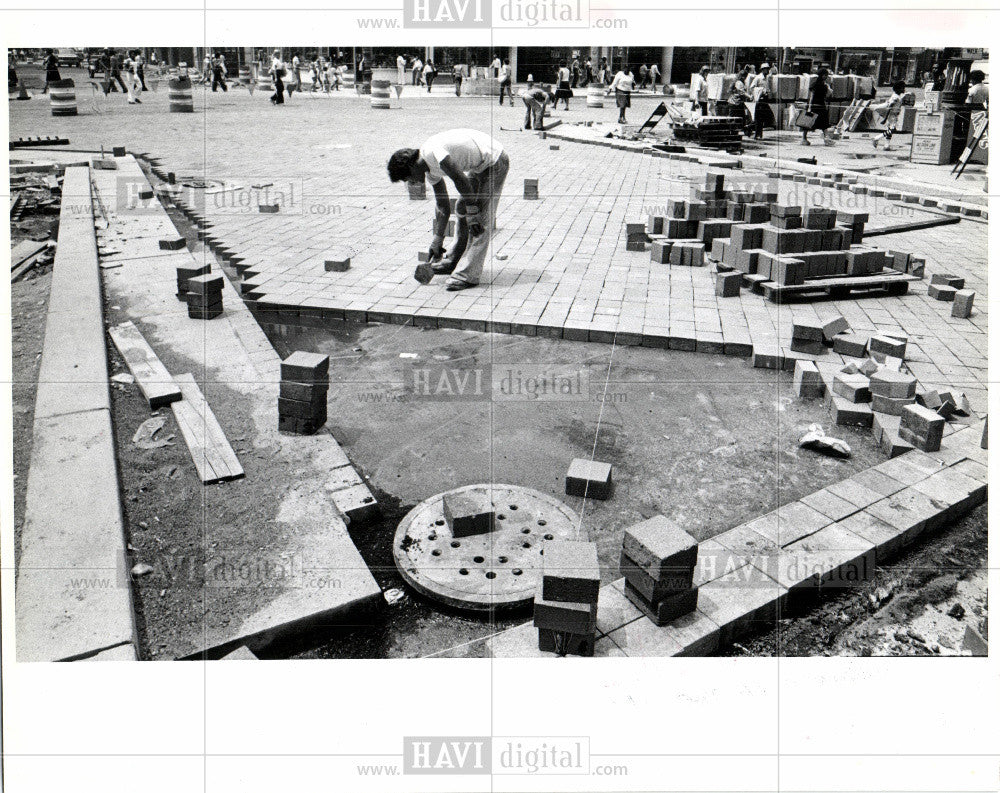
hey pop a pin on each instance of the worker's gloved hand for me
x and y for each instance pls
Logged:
(472, 221)
(435, 252)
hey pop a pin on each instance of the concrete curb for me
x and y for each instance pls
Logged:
(72, 596)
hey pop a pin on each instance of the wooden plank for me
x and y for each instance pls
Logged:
(25, 250)
(214, 457)
(152, 376)
(944, 220)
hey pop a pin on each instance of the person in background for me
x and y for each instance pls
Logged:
(132, 86)
(588, 73)
(417, 69)
(563, 91)
(141, 69)
(505, 82)
(979, 94)
(760, 95)
(889, 110)
(429, 74)
(699, 90)
(739, 95)
(603, 75)
(278, 74)
(51, 70)
(643, 76)
(654, 75)
(819, 90)
(623, 85)
(456, 76)
(535, 101)
(400, 68)
(219, 73)
(495, 66)
(938, 78)
(296, 77)
(575, 71)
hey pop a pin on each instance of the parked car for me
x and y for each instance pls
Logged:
(69, 57)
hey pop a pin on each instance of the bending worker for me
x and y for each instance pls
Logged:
(535, 100)
(477, 165)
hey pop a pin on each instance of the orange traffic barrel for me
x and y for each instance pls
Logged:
(380, 93)
(62, 97)
(180, 96)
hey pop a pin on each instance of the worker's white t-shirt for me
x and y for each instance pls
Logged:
(471, 151)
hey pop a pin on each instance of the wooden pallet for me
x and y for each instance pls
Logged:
(213, 456)
(888, 282)
(152, 376)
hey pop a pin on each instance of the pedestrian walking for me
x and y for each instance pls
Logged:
(140, 69)
(132, 84)
(889, 110)
(296, 83)
(219, 74)
(654, 75)
(51, 70)
(429, 74)
(643, 76)
(418, 67)
(575, 72)
(277, 74)
(506, 82)
(819, 91)
(563, 90)
(623, 85)
(456, 76)
(477, 165)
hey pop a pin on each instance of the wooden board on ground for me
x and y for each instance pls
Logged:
(888, 282)
(152, 376)
(213, 456)
(942, 220)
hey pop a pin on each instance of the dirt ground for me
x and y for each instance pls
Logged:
(920, 605)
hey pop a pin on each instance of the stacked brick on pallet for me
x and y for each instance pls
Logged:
(204, 296)
(658, 561)
(565, 610)
(305, 379)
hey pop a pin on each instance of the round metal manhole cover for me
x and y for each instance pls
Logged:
(495, 570)
(197, 183)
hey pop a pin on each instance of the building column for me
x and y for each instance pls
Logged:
(512, 56)
(666, 64)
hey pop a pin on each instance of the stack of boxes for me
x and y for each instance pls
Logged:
(204, 296)
(932, 137)
(565, 611)
(305, 379)
(658, 561)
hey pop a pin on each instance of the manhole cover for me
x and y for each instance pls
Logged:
(495, 570)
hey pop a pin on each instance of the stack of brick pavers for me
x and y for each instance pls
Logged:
(658, 561)
(747, 231)
(204, 296)
(305, 379)
(566, 603)
(185, 273)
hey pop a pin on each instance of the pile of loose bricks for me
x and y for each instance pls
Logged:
(658, 561)
(875, 391)
(951, 289)
(748, 233)
(305, 380)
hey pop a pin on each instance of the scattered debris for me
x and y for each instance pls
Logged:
(819, 441)
(142, 569)
(124, 378)
(393, 595)
(145, 436)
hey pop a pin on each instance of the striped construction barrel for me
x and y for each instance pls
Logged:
(62, 97)
(347, 79)
(179, 94)
(595, 95)
(380, 94)
(244, 78)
